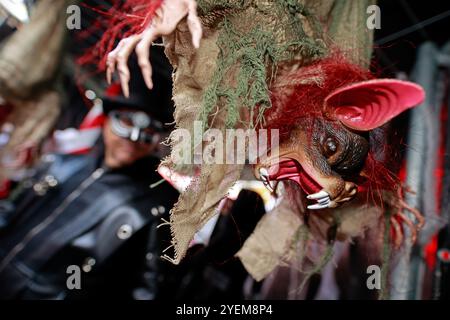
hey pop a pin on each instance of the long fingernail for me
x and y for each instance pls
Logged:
(196, 43)
(149, 84)
(147, 79)
(125, 90)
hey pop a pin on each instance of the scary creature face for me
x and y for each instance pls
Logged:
(325, 155)
(327, 158)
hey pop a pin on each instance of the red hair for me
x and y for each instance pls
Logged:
(302, 94)
(123, 19)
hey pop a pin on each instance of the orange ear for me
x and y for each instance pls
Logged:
(367, 105)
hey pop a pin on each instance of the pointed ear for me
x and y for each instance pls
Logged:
(367, 105)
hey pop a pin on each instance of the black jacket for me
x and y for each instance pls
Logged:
(77, 214)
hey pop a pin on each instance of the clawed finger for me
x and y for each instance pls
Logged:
(119, 58)
(164, 23)
(194, 23)
(143, 55)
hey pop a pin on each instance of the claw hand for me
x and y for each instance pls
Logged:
(168, 16)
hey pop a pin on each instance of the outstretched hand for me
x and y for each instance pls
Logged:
(168, 16)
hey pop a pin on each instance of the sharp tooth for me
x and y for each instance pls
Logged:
(264, 173)
(318, 195)
(324, 200)
(317, 206)
(268, 185)
(274, 185)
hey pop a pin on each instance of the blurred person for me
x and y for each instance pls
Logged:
(95, 213)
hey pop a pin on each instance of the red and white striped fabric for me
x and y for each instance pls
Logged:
(81, 140)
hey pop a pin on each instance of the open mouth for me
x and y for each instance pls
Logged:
(289, 169)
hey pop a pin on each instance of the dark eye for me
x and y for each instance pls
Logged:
(330, 147)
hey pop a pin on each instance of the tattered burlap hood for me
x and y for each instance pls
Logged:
(245, 45)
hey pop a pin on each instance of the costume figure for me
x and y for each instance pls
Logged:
(296, 66)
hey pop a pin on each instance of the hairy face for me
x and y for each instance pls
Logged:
(320, 155)
(334, 149)
(325, 125)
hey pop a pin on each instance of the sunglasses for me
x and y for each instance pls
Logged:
(135, 125)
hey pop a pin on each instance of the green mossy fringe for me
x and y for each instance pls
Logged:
(253, 54)
(323, 261)
(299, 244)
(250, 53)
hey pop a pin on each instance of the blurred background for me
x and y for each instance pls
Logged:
(66, 96)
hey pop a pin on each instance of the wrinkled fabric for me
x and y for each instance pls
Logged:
(29, 60)
(271, 241)
(29, 64)
(194, 70)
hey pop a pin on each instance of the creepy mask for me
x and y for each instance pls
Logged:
(325, 142)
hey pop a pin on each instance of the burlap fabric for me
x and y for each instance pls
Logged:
(320, 25)
(29, 64)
